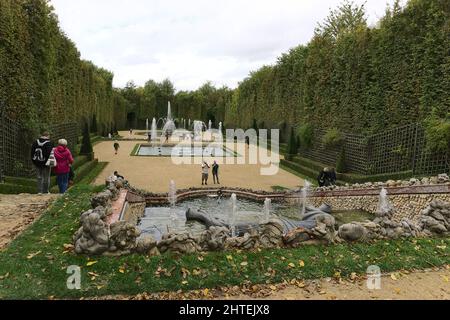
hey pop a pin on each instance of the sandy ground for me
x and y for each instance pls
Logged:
(430, 284)
(154, 173)
(17, 212)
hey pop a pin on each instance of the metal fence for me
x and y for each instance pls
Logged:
(15, 146)
(396, 150)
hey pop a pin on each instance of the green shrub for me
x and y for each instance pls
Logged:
(341, 162)
(437, 131)
(86, 145)
(332, 138)
(305, 133)
(292, 146)
(94, 127)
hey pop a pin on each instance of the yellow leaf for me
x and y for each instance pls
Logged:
(91, 263)
(184, 283)
(273, 288)
(32, 255)
(301, 263)
(445, 278)
(394, 277)
(121, 270)
(230, 258)
(244, 264)
(291, 265)
(206, 292)
(200, 258)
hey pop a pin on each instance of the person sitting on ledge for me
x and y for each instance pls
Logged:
(118, 176)
(324, 178)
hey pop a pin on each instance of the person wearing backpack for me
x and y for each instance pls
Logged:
(64, 159)
(40, 153)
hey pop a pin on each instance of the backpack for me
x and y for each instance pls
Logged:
(38, 154)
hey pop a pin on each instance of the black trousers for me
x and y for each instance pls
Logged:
(216, 177)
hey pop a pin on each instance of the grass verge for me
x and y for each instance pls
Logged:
(35, 264)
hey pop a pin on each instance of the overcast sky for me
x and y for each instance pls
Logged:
(191, 42)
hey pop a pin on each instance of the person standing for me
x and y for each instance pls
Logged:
(64, 159)
(116, 146)
(215, 172)
(40, 153)
(205, 173)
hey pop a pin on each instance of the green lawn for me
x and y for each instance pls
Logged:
(35, 264)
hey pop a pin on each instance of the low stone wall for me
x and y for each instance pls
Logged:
(407, 206)
(133, 212)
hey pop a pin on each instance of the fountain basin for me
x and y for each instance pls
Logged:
(184, 151)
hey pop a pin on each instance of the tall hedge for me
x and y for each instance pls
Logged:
(42, 78)
(356, 77)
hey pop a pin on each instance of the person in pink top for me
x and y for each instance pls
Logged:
(64, 159)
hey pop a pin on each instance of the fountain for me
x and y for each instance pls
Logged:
(267, 208)
(169, 127)
(146, 125)
(220, 128)
(154, 130)
(233, 215)
(304, 198)
(198, 130)
(210, 125)
(385, 207)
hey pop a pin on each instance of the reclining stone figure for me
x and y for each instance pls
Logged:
(308, 221)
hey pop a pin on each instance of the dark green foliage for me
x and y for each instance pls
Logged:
(340, 164)
(305, 134)
(438, 133)
(332, 138)
(292, 145)
(255, 126)
(354, 77)
(43, 80)
(94, 126)
(86, 145)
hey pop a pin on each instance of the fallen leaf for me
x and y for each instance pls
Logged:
(91, 263)
(244, 264)
(394, 277)
(445, 278)
(206, 292)
(200, 258)
(230, 258)
(122, 270)
(184, 283)
(32, 255)
(301, 263)
(291, 265)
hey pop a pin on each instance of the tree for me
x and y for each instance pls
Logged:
(292, 145)
(94, 127)
(341, 166)
(86, 145)
(345, 19)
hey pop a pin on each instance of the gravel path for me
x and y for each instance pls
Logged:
(154, 173)
(17, 212)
